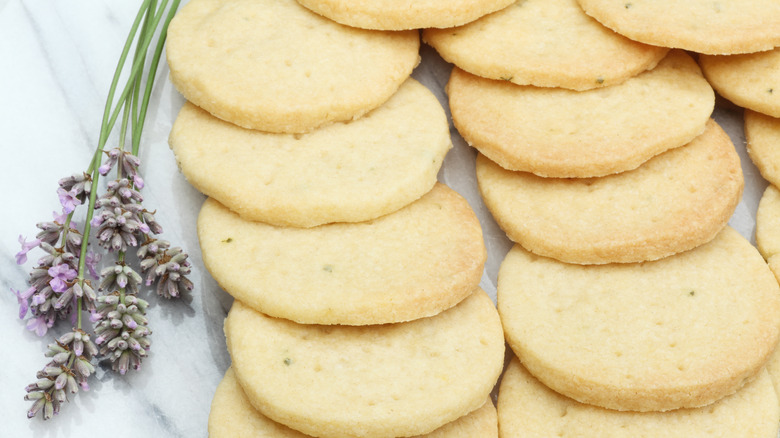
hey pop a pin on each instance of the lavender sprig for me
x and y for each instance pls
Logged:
(70, 367)
(58, 284)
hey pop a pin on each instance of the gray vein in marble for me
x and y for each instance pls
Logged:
(71, 101)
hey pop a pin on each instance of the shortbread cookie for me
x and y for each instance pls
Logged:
(546, 43)
(750, 81)
(768, 228)
(344, 172)
(762, 133)
(674, 202)
(404, 14)
(528, 409)
(702, 26)
(682, 331)
(413, 263)
(374, 381)
(276, 66)
(233, 416)
(554, 132)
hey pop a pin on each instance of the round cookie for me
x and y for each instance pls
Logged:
(768, 228)
(413, 263)
(404, 14)
(674, 202)
(344, 172)
(762, 133)
(373, 381)
(529, 409)
(702, 26)
(546, 43)
(683, 331)
(554, 132)
(750, 80)
(269, 65)
(233, 416)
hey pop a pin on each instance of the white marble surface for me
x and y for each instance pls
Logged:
(57, 61)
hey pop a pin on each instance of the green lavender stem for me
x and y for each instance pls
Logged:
(147, 10)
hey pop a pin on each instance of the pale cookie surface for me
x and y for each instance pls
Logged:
(276, 66)
(682, 331)
(702, 26)
(413, 263)
(344, 172)
(528, 409)
(232, 416)
(554, 132)
(546, 43)
(374, 381)
(404, 14)
(674, 202)
(750, 81)
(773, 366)
(768, 228)
(762, 133)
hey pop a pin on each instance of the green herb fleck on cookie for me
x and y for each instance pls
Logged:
(692, 293)
(287, 361)
(628, 5)
(599, 80)
(228, 240)
(327, 268)
(506, 78)
(770, 91)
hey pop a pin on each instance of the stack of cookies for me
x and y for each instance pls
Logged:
(631, 306)
(355, 274)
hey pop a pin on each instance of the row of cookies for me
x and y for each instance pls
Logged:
(355, 275)
(613, 337)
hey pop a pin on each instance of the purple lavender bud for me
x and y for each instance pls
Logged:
(72, 386)
(60, 398)
(36, 407)
(52, 371)
(67, 338)
(78, 347)
(64, 299)
(145, 343)
(149, 220)
(61, 358)
(139, 319)
(61, 381)
(138, 181)
(135, 361)
(122, 363)
(42, 383)
(104, 169)
(129, 321)
(116, 242)
(121, 280)
(133, 344)
(48, 410)
(116, 324)
(33, 395)
(132, 160)
(83, 368)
